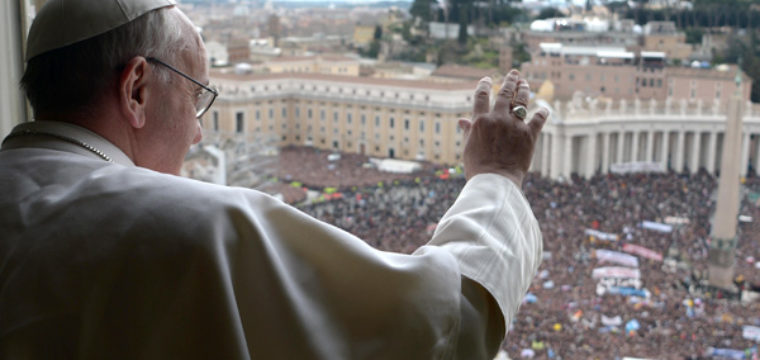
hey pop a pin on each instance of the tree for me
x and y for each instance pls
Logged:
(694, 36)
(548, 13)
(463, 23)
(422, 9)
(378, 33)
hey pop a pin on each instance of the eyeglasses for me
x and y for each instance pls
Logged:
(204, 100)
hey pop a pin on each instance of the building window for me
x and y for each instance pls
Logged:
(321, 115)
(271, 114)
(391, 122)
(364, 119)
(284, 112)
(298, 112)
(377, 121)
(348, 118)
(216, 120)
(422, 125)
(406, 124)
(437, 128)
(308, 113)
(335, 116)
(239, 122)
(258, 115)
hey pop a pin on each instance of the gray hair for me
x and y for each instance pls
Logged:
(71, 78)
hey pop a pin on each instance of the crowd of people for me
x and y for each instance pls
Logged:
(315, 168)
(565, 315)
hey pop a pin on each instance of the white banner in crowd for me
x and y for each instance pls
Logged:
(615, 272)
(620, 282)
(616, 257)
(635, 167)
(642, 251)
(675, 220)
(651, 225)
(750, 332)
(612, 321)
(601, 235)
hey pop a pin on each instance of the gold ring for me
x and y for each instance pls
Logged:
(520, 111)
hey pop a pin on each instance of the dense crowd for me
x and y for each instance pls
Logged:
(314, 168)
(566, 317)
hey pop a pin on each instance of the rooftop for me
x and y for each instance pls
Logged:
(414, 84)
(463, 72)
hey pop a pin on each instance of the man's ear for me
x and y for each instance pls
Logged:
(134, 88)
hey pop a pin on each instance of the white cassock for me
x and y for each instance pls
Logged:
(104, 260)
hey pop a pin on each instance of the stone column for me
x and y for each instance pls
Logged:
(649, 156)
(665, 149)
(745, 154)
(711, 152)
(620, 148)
(535, 161)
(567, 166)
(605, 153)
(678, 166)
(591, 156)
(556, 165)
(694, 166)
(545, 155)
(635, 146)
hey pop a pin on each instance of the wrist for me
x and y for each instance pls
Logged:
(515, 176)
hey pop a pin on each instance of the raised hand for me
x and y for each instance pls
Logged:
(498, 140)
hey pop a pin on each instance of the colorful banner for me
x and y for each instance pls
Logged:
(750, 332)
(627, 291)
(642, 251)
(615, 272)
(725, 353)
(616, 257)
(651, 225)
(602, 235)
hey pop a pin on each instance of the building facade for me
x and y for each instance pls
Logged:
(619, 74)
(404, 119)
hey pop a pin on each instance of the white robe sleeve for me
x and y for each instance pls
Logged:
(495, 238)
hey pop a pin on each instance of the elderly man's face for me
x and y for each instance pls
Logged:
(175, 127)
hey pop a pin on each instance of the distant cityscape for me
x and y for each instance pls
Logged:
(390, 79)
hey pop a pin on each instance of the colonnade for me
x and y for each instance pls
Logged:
(595, 141)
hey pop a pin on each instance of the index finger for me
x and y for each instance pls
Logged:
(482, 102)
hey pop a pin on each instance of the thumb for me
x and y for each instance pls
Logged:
(537, 122)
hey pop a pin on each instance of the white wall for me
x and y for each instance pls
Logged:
(12, 104)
